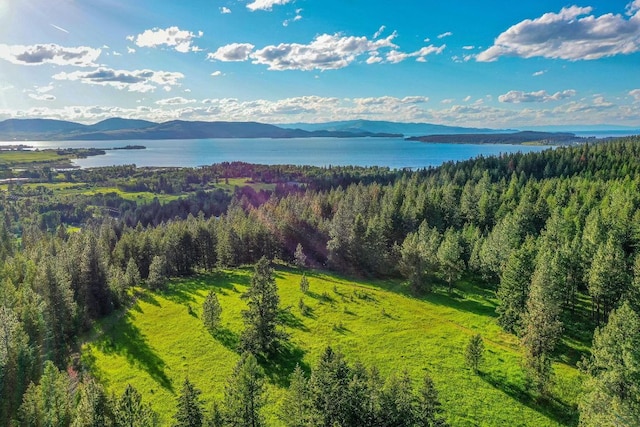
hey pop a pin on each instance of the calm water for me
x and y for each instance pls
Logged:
(392, 152)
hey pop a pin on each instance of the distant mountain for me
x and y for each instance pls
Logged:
(120, 124)
(388, 127)
(38, 126)
(125, 129)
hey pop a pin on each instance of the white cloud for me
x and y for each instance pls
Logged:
(174, 37)
(178, 100)
(44, 89)
(379, 32)
(133, 81)
(572, 34)
(130, 50)
(468, 47)
(225, 10)
(467, 98)
(265, 4)
(635, 93)
(216, 73)
(443, 35)
(447, 101)
(325, 52)
(232, 52)
(42, 97)
(49, 54)
(60, 28)
(516, 96)
(298, 17)
(373, 59)
(539, 73)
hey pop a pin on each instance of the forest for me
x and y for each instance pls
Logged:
(554, 236)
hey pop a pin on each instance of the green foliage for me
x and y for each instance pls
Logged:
(49, 403)
(612, 390)
(450, 257)
(189, 409)
(157, 273)
(299, 258)
(211, 311)
(474, 352)
(261, 318)
(304, 284)
(243, 394)
(94, 408)
(130, 411)
(607, 278)
(429, 412)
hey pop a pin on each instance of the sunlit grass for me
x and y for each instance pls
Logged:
(161, 340)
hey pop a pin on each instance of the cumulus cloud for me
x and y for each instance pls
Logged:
(635, 93)
(517, 97)
(225, 10)
(173, 37)
(49, 54)
(325, 52)
(572, 34)
(539, 73)
(265, 4)
(178, 100)
(232, 52)
(443, 35)
(133, 81)
(216, 73)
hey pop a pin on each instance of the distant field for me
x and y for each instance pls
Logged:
(11, 158)
(160, 340)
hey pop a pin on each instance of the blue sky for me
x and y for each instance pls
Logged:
(490, 63)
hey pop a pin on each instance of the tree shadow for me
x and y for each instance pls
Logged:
(279, 366)
(341, 329)
(185, 290)
(558, 411)
(226, 337)
(127, 340)
(287, 318)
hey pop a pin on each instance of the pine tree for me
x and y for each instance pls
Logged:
(261, 318)
(215, 417)
(132, 274)
(612, 390)
(514, 287)
(329, 384)
(157, 273)
(189, 413)
(243, 395)
(542, 325)
(129, 410)
(304, 284)
(211, 311)
(450, 257)
(94, 409)
(474, 353)
(300, 259)
(607, 278)
(49, 402)
(428, 411)
(398, 401)
(296, 409)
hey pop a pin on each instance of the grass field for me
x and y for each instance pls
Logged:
(160, 340)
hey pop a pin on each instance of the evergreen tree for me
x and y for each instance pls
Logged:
(157, 273)
(49, 403)
(450, 257)
(211, 311)
(329, 385)
(132, 274)
(542, 325)
(215, 417)
(129, 410)
(299, 258)
(304, 284)
(189, 413)
(612, 390)
(243, 394)
(398, 401)
(607, 278)
(261, 318)
(296, 409)
(514, 287)
(474, 353)
(94, 408)
(428, 410)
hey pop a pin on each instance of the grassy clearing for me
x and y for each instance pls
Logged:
(15, 158)
(161, 339)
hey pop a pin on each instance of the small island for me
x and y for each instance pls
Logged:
(516, 138)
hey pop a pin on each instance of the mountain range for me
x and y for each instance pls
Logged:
(125, 129)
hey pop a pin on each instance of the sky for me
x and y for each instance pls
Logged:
(492, 63)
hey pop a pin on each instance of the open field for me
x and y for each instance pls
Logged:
(161, 339)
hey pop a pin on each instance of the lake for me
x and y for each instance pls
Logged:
(394, 153)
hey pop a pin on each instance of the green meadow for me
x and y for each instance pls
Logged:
(160, 339)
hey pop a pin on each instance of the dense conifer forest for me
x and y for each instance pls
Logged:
(554, 235)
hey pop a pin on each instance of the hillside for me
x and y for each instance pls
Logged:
(160, 340)
(387, 127)
(549, 138)
(126, 129)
